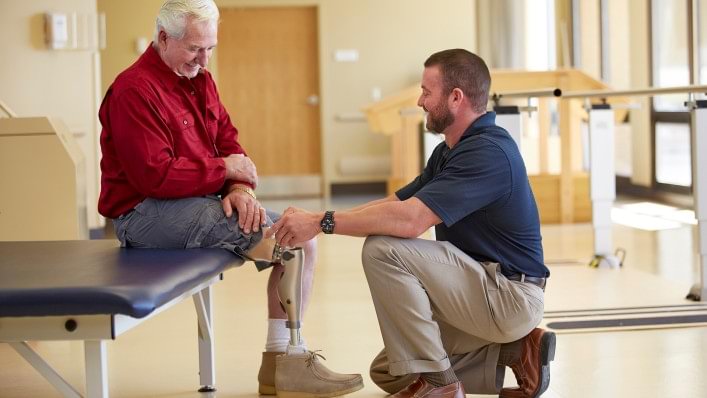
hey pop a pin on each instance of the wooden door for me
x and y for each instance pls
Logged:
(269, 82)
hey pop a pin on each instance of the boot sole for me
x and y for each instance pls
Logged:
(264, 389)
(298, 394)
(547, 354)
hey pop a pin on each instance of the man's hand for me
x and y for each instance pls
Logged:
(241, 168)
(295, 226)
(251, 215)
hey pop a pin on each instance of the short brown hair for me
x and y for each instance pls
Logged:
(466, 71)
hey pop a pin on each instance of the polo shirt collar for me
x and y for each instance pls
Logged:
(483, 122)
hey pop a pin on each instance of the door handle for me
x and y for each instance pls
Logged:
(313, 100)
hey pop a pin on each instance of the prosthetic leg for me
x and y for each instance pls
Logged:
(289, 289)
(297, 373)
(290, 292)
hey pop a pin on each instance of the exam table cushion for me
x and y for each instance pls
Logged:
(98, 277)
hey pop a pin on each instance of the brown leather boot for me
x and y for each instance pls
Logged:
(532, 370)
(266, 375)
(421, 388)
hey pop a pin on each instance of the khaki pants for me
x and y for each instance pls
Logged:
(437, 308)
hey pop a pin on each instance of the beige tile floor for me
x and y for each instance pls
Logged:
(159, 357)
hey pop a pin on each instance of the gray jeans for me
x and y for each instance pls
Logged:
(185, 224)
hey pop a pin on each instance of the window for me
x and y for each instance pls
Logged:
(671, 46)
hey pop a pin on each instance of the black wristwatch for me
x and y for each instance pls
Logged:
(327, 222)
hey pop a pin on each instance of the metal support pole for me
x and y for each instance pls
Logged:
(510, 119)
(602, 175)
(96, 369)
(204, 311)
(699, 188)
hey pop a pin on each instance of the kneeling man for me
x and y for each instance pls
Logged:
(454, 313)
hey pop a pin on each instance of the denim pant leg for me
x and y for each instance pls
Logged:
(184, 224)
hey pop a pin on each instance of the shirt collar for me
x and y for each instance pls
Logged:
(483, 122)
(167, 76)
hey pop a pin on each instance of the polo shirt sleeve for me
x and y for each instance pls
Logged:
(415, 185)
(476, 175)
(144, 146)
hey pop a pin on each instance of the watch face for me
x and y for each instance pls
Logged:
(326, 226)
(327, 223)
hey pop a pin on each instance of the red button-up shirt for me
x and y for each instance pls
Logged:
(163, 137)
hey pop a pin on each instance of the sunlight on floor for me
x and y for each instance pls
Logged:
(651, 216)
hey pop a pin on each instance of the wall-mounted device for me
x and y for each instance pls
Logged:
(56, 28)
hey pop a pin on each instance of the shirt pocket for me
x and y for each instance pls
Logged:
(185, 132)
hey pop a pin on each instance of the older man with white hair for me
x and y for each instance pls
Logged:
(175, 176)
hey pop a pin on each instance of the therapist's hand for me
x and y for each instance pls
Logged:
(251, 215)
(296, 226)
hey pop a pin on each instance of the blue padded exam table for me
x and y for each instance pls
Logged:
(94, 291)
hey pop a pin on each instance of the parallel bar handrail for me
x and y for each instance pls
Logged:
(649, 91)
(542, 92)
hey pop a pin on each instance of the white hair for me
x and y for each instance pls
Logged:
(173, 16)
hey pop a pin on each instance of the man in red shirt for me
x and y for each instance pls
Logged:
(175, 176)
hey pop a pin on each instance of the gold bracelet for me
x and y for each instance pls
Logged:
(246, 190)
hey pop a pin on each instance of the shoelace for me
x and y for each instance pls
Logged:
(313, 357)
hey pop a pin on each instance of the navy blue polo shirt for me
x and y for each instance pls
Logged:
(480, 191)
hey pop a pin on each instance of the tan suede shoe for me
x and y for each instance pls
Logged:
(303, 376)
(266, 375)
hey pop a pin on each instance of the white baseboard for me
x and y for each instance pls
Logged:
(289, 186)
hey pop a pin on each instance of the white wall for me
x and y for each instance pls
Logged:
(35, 81)
(394, 39)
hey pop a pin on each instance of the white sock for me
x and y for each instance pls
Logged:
(279, 336)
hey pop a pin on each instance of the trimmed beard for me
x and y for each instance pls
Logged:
(439, 118)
